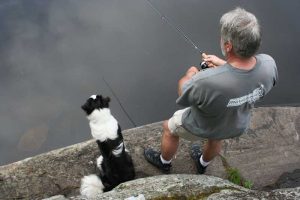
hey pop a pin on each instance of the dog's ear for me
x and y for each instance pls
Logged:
(98, 96)
(87, 107)
(99, 99)
(106, 102)
(107, 99)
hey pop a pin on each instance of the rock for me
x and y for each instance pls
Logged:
(190, 187)
(45, 175)
(289, 180)
(270, 148)
(57, 197)
(286, 180)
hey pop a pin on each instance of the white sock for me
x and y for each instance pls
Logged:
(165, 161)
(203, 163)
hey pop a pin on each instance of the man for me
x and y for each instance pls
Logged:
(218, 99)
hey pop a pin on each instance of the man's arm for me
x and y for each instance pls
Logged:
(188, 75)
(212, 60)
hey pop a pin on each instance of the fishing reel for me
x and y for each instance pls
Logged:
(204, 65)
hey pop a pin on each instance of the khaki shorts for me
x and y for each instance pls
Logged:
(176, 128)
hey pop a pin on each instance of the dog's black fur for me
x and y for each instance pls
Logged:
(114, 169)
(98, 102)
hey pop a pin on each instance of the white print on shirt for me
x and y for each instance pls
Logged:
(250, 98)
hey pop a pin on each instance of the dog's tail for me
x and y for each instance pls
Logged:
(91, 186)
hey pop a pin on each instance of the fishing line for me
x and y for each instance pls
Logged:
(175, 27)
(180, 32)
(118, 100)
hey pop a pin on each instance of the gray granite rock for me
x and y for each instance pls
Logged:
(270, 148)
(286, 180)
(186, 187)
(57, 197)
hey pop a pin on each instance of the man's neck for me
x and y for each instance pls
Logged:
(241, 63)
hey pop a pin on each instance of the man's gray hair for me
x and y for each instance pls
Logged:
(242, 30)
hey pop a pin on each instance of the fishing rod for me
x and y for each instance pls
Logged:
(203, 64)
(118, 100)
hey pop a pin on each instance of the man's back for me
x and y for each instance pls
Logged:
(221, 98)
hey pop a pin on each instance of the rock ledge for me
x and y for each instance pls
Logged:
(269, 149)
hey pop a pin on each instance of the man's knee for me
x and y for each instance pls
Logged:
(167, 131)
(166, 126)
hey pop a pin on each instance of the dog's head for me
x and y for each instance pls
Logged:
(95, 102)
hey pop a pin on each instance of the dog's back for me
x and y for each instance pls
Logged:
(115, 165)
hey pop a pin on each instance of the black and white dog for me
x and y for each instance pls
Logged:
(115, 164)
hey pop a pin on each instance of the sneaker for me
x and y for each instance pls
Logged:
(196, 154)
(153, 157)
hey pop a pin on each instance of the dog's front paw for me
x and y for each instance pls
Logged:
(99, 162)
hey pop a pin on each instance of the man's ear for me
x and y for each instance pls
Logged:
(228, 46)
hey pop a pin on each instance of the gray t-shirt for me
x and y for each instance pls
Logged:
(220, 99)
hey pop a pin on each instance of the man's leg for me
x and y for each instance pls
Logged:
(211, 149)
(169, 143)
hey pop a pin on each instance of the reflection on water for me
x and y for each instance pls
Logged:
(33, 138)
(54, 54)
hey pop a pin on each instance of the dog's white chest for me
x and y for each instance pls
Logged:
(103, 125)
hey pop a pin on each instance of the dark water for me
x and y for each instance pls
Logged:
(55, 53)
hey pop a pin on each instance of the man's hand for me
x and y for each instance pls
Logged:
(212, 60)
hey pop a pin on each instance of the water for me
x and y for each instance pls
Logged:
(119, 102)
(173, 25)
(55, 53)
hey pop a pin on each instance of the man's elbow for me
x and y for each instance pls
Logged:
(181, 83)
